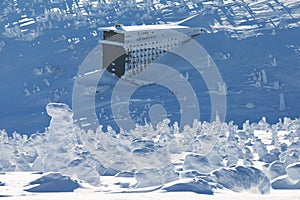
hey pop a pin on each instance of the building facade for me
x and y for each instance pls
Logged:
(128, 50)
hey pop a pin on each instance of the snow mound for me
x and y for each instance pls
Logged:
(293, 171)
(199, 186)
(243, 178)
(53, 182)
(196, 162)
(284, 182)
(154, 177)
(276, 169)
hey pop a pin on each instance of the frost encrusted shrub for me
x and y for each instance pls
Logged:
(58, 149)
(63, 151)
(148, 152)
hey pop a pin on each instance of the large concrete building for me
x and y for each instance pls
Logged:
(127, 50)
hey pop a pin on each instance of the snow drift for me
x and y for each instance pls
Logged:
(189, 185)
(53, 182)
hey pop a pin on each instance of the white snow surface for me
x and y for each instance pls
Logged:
(16, 182)
(149, 162)
(85, 157)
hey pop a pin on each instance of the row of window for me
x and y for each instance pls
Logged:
(170, 41)
(141, 60)
(140, 55)
(132, 55)
(149, 51)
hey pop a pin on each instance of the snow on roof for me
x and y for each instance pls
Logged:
(123, 28)
(173, 25)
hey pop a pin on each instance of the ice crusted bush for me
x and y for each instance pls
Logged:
(152, 163)
(142, 151)
(15, 152)
(64, 150)
(207, 153)
(61, 138)
(6, 153)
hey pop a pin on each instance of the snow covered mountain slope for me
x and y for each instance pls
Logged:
(254, 44)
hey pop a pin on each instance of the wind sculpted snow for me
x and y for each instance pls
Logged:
(171, 162)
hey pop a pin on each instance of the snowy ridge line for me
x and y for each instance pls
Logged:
(266, 154)
(252, 17)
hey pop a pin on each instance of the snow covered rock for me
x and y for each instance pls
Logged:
(243, 178)
(53, 182)
(284, 182)
(293, 171)
(199, 186)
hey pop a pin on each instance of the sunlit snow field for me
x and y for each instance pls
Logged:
(15, 191)
(251, 153)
